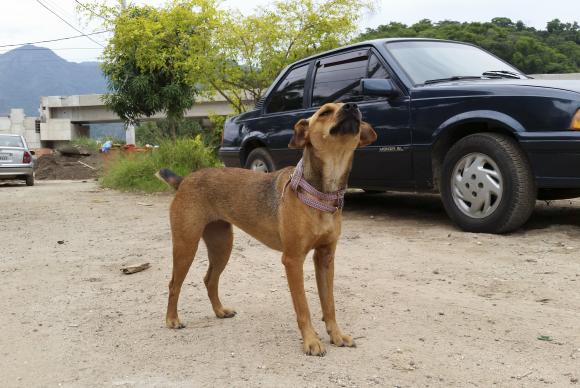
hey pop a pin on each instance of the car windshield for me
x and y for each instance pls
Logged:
(11, 141)
(433, 61)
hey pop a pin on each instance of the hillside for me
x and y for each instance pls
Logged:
(28, 72)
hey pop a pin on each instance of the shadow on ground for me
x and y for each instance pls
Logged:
(422, 207)
(11, 183)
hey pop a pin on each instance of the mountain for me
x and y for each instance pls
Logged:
(28, 72)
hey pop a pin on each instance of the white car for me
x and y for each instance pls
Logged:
(16, 160)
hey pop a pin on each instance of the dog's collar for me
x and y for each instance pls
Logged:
(312, 197)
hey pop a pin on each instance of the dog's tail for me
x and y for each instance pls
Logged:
(169, 177)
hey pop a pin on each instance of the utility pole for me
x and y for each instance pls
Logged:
(130, 130)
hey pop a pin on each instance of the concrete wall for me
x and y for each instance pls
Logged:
(5, 124)
(57, 129)
(30, 134)
(570, 76)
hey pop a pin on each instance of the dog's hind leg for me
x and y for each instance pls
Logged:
(324, 268)
(219, 238)
(184, 248)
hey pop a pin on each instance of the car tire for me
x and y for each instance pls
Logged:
(29, 180)
(259, 159)
(487, 185)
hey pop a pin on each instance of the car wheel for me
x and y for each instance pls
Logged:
(260, 160)
(487, 185)
(29, 180)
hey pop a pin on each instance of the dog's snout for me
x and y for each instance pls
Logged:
(348, 107)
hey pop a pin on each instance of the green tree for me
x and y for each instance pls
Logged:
(156, 56)
(254, 49)
(160, 59)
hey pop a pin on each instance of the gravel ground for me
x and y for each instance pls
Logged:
(427, 304)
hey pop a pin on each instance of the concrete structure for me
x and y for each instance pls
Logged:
(89, 108)
(17, 122)
(63, 118)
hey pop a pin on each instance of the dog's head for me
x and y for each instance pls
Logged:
(333, 125)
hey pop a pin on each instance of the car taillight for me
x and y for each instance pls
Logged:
(575, 125)
(26, 158)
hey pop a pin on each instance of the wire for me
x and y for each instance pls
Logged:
(61, 11)
(90, 10)
(70, 25)
(55, 40)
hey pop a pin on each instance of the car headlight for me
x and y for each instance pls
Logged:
(575, 124)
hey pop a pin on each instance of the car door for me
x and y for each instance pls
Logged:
(388, 161)
(283, 108)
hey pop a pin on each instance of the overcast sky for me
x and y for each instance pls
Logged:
(28, 21)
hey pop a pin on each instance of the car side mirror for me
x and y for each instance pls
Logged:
(379, 87)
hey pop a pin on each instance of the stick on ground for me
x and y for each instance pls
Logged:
(131, 269)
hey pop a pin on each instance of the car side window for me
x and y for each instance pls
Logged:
(376, 68)
(338, 78)
(290, 92)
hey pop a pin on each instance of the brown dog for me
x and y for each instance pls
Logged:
(208, 202)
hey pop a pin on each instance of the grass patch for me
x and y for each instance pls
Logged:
(86, 143)
(136, 172)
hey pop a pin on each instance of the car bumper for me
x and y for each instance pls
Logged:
(554, 157)
(230, 156)
(15, 171)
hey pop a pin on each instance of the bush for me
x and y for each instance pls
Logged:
(136, 172)
(86, 143)
(155, 132)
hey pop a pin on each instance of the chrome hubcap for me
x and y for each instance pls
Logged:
(259, 165)
(476, 185)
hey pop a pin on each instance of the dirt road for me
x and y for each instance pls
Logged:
(427, 304)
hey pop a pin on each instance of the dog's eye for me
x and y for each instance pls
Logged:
(325, 113)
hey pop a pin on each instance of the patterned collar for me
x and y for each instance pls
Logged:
(312, 197)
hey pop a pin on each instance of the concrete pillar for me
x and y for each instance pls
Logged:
(130, 134)
(17, 121)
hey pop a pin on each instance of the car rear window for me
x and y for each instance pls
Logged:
(338, 78)
(11, 141)
(290, 92)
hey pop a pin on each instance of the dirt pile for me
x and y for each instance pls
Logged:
(69, 166)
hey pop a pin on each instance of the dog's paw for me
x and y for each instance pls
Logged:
(314, 347)
(225, 312)
(342, 340)
(174, 323)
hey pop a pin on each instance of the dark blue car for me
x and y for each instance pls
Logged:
(450, 117)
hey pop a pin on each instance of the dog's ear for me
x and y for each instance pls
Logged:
(300, 134)
(367, 134)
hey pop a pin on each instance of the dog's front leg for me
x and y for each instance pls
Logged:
(294, 265)
(324, 267)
